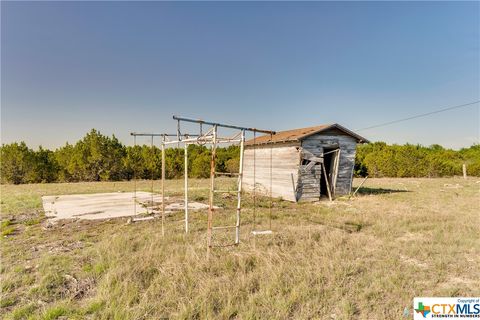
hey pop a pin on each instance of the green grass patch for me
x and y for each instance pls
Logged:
(5, 223)
(94, 307)
(8, 231)
(32, 221)
(7, 301)
(55, 312)
(23, 312)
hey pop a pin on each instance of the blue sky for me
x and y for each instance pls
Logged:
(67, 67)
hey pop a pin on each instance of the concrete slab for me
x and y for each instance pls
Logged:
(111, 205)
(98, 205)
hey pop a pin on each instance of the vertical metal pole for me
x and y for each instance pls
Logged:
(153, 176)
(271, 185)
(212, 190)
(254, 181)
(178, 133)
(239, 194)
(163, 186)
(186, 186)
(135, 176)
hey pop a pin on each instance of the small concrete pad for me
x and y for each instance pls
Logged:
(100, 205)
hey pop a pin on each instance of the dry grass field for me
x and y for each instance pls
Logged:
(361, 258)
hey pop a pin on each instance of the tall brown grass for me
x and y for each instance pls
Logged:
(361, 258)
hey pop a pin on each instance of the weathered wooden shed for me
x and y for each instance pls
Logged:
(302, 164)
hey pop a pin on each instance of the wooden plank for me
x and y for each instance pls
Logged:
(138, 219)
(326, 180)
(294, 188)
(309, 185)
(262, 232)
(315, 182)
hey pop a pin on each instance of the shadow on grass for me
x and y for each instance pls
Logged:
(347, 226)
(367, 190)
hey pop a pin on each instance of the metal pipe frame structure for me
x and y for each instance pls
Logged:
(212, 138)
(213, 124)
(186, 139)
(208, 138)
(146, 134)
(164, 137)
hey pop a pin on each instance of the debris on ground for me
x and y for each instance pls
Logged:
(77, 288)
(452, 186)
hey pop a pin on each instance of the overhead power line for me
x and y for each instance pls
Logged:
(420, 115)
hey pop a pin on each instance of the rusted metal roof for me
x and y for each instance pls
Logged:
(300, 134)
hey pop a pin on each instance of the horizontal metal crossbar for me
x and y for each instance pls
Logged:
(146, 134)
(200, 141)
(222, 125)
(226, 191)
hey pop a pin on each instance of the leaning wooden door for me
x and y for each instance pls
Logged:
(333, 170)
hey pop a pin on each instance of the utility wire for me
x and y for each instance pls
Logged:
(420, 115)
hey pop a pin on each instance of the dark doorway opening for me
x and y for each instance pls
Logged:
(329, 161)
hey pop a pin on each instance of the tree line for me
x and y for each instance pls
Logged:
(381, 160)
(97, 157)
